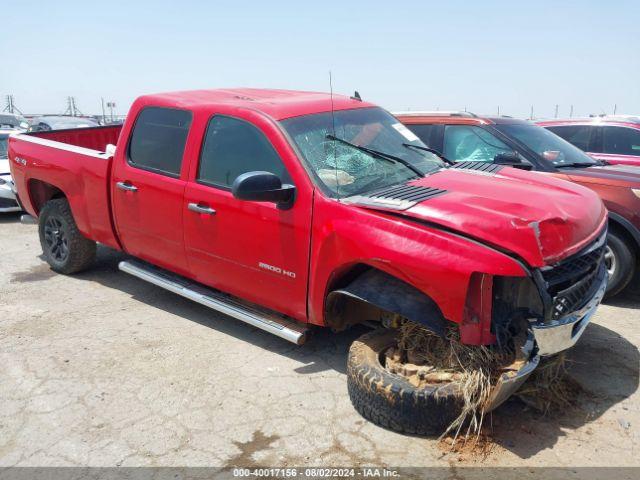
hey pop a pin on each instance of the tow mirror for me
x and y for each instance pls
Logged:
(511, 159)
(263, 187)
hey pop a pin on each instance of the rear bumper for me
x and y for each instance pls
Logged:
(8, 200)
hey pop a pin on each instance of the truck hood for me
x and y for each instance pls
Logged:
(616, 175)
(538, 218)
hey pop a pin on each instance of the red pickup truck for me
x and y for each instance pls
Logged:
(289, 210)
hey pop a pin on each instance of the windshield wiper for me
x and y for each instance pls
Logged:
(575, 165)
(430, 150)
(376, 154)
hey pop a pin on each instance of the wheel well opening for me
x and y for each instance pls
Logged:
(622, 232)
(363, 293)
(41, 192)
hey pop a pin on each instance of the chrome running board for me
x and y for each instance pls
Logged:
(266, 320)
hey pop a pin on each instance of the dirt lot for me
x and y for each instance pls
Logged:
(103, 369)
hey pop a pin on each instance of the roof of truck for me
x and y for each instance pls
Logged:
(278, 104)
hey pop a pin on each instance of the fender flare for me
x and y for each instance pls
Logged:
(387, 293)
(627, 225)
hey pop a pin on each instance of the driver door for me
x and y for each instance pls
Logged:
(252, 250)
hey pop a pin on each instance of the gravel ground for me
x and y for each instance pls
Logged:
(103, 369)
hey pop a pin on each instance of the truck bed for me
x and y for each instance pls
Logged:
(92, 138)
(73, 162)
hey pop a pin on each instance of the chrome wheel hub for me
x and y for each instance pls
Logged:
(610, 261)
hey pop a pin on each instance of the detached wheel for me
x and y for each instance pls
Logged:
(65, 249)
(390, 401)
(620, 260)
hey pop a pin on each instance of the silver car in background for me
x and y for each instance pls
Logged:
(8, 201)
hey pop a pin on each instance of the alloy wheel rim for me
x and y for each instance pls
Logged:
(56, 239)
(610, 261)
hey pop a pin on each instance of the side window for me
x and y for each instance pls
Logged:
(424, 133)
(621, 140)
(579, 135)
(232, 147)
(463, 143)
(158, 140)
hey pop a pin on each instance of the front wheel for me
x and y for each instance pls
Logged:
(620, 261)
(65, 249)
(389, 400)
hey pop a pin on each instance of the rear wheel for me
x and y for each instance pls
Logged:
(620, 261)
(65, 249)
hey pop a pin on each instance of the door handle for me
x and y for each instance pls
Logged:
(196, 207)
(126, 186)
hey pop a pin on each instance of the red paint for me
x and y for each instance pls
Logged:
(96, 138)
(478, 229)
(613, 183)
(475, 328)
(613, 158)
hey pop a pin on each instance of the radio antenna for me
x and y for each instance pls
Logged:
(333, 128)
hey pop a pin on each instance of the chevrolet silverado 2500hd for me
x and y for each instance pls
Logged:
(288, 210)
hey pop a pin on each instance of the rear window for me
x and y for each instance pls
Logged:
(578, 135)
(158, 140)
(621, 140)
(425, 133)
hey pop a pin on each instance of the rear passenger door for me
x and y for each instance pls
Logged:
(147, 187)
(252, 250)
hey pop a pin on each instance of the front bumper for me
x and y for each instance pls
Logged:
(548, 339)
(558, 335)
(8, 200)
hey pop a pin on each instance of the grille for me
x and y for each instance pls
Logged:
(572, 282)
(409, 193)
(486, 167)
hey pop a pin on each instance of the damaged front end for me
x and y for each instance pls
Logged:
(554, 304)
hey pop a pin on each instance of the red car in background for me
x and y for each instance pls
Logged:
(476, 142)
(612, 138)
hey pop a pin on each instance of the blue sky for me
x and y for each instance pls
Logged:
(402, 55)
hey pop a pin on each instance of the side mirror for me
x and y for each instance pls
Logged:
(263, 187)
(511, 159)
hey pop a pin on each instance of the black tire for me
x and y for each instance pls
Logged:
(389, 400)
(624, 257)
(65, 249)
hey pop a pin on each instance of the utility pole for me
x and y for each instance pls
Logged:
(104, 119)
(10, 105)
(615, 108)
(498, 110)
(571, 112)
(111, 106)
(72, 108)
(531, 116)
(556, 114)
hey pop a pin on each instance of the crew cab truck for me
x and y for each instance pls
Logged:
(292, 210)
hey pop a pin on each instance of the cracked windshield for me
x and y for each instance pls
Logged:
(359, 150)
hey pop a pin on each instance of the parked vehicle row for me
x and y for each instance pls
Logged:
(8, 200)
(612, 138)
(473, 141)
(293, 210)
